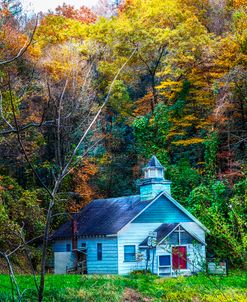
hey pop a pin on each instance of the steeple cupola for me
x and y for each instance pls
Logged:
(154, 181)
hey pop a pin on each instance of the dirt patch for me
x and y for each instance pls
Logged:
(130, 295)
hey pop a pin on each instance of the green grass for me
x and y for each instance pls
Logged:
(95, 288)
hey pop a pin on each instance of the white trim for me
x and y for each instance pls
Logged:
(193, 234)
(141, 212)
(168, 234)
(185, 211)
(175, 203)
(173, 271)
(163, 266)
(186, 229)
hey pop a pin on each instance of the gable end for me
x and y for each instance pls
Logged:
(162, 210)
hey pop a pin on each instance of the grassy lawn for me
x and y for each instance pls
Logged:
(72, 288)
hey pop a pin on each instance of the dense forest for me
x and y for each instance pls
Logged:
(87, 96)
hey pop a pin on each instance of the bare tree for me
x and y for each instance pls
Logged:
(71, 99)
(105, 8)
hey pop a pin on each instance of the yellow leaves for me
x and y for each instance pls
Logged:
(169, 88)
(164, 13)
(170, 84)
(57, 29)
(184, 122)
(204, 125)
(190, 118)
(62, 61)
(240, 28)
(173, 133)
(181, 128)
(188, 142)
(226, 53)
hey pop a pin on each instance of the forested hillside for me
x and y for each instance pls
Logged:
(86, 99)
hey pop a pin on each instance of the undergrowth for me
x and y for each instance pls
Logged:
(96, 288)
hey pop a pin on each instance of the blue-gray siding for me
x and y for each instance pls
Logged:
(109, 262)
(150, 191)
(60, 245)
(163, 211)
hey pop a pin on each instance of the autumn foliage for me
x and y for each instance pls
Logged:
(83, 14)
(181, 96)
(81, 178)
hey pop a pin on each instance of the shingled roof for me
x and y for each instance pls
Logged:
(162, 231)
(103, 217)
(166, 229)
(154, 162)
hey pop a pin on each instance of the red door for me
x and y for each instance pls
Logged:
(179, 257)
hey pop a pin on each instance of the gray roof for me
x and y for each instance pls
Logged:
(166, 229)
(154, 162)
(162, 231)
(103, 217)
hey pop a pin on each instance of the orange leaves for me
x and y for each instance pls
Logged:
(12, 39)
(85, 171)
(4, 12)
(83, 14)
(125, 5)
(239, 3)
(81, 179)
(144, 104)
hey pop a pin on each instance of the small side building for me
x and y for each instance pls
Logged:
(149, 231)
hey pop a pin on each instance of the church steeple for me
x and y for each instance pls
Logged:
(154, 181)
(154, 169)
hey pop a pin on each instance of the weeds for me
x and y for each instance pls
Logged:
(97, 288)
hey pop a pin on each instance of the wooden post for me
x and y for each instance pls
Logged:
(153, 262)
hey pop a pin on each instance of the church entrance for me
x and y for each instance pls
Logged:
(179, 257)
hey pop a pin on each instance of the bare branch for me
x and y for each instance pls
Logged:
(2, 114)
(83, 155)
(96, 116)
(63, 172)
(25, 127)
(21, 144)
(59, 125)
(12, 275)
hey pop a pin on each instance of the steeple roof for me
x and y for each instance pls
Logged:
(154, 163)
